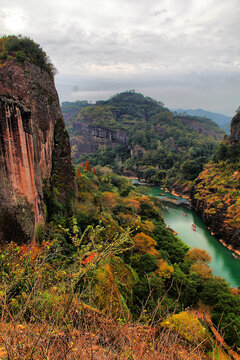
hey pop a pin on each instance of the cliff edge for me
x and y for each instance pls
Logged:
(34, 149)
(215, 193)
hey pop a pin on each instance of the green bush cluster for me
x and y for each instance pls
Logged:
(24, 48)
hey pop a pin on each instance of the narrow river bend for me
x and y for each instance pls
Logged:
(223, 263)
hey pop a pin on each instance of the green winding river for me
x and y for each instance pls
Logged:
(223, 263)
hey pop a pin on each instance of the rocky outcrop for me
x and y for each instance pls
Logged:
(235, 128)
(200, 128)
(89, 138)
(33, 144)
(181, 190)
(215, 195)
(217, 221)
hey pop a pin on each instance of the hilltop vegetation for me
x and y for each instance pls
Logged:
(160, 147)
(23, 48)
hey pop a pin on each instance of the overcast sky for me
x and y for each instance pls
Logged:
(185, 53)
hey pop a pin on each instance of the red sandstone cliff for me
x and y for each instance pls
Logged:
(216, 191)
(34, 149)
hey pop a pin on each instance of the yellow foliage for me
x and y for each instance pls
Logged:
(111, 226)
(148, 226)
(129, 220)
(113, 280)
(203, 270)
(86, 207)
(164, 270)
(145, 244)
(224, 178)
(198, 255)
(110, 199)
(133, 203)
(144, 200)
(85, 197)
(2, 44)
(186, 325)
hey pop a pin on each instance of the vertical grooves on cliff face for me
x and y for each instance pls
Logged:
(63, 174)
(215, 193)
(29, 120)
(17, 153)
(17, 172)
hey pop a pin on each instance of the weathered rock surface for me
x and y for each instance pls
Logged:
(33, 144)
(235, 128)
(215, 195)
(218, 222)
(200, 128)
(91, 137)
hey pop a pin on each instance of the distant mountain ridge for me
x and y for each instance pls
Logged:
(138, 136)
(222, 120)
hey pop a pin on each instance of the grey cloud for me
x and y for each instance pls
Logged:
(187, 46)
(159, 12)
(193, 88)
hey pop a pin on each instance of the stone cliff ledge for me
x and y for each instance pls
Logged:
(33, 144)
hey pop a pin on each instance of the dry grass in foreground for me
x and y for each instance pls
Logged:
(97, 338)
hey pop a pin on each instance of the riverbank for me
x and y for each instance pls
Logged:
(229, 247)
(184, 196)
(223, 262)
(181, 219)
(181, 190)
(177, 194)
(178, 191)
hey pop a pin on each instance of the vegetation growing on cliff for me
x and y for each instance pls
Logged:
(161, 147)
(23, 48)
(216, 191)
(218, 186)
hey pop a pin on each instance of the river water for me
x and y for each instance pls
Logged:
(223, 263)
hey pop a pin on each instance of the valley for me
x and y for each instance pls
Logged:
(91, 266)
(223, 262)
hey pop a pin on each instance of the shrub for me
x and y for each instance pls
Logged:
(21, 56)
(24, 48)
(3, 55)
(186, 325)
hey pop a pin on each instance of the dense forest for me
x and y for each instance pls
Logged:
(161, 147)
(114, 258)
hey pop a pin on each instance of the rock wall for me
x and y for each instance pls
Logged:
(217, 222)
(201, 129)
(235, 128)
(215, 194)
(29, 114)
(91, 137)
